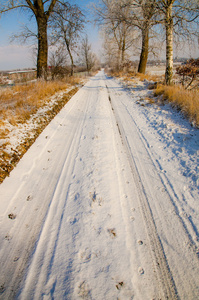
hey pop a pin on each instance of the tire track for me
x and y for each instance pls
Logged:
(189, 229)
(53, 230)
(159, 201)
(163, 273)
(35, 221)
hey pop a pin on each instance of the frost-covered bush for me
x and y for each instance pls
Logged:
(189, 73)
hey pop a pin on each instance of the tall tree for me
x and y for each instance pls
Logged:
(142, 15)
(116, 43)
(67, 23)
(114, 28)
(166, 7)
(144, 23)
(87, 56)
(41, 10)
(179, 18)
(133, 15)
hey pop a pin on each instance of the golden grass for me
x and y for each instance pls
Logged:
(186, 100)
(149, 77)
(128, 76)
(18, 103)
(4, 133)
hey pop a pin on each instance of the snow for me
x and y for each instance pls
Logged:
(156, 70)
(159, 69)
(19, 132)
(21, 71)
(104, 205)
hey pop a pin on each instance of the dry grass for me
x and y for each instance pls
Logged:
(132, 76)
(18, 104)
(185, 100)
(155, 78)
(124, 75)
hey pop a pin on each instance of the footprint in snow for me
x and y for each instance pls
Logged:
(77, 196)
(112, 232)
(83, 290)
(7, 237)
(141, 271)
(72, 220)
(2, 288)
(140, 242)
(16, 258)
(12, 216)
(119, 285)
(29, 198)
(85, 255)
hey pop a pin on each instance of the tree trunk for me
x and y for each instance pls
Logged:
(145, 50)
(71, 59)
(123, 50)
(42, 56)
(118, 64)
(169, 45)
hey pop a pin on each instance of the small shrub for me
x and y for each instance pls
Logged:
(189, 73)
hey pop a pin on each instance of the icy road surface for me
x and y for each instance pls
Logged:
(92, 211)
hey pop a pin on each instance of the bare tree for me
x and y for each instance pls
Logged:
(58, 63)
(110, 50)
(116, 31)
(87, 56)
(147, 10)
(142, 15)
(178, 17)
(67, 23)
(127, 17)
(119, 39)
(41, 10)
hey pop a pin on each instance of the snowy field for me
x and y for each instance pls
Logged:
(159, 69)
(156, 70)
(104, 205)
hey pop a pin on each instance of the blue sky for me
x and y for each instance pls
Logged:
(14, 56)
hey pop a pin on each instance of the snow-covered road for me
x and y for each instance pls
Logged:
(89, 212)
